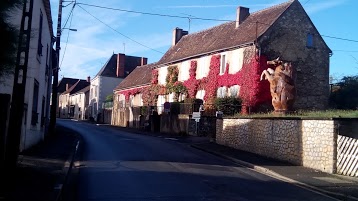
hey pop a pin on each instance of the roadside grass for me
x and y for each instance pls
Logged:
(307, 114)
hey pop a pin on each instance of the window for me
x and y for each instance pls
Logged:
(35, 100)
(47, 67)
(221, 92)
(222, 64)
(43, 112)
(234, 90)
(309, 42)
(39, 47)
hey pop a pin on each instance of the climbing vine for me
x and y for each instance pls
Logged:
(252, 91)
(192, 83)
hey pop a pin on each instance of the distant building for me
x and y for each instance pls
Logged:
(138, 79)
(110, 75)
(80, 101)
(63, 85)
(72, 102)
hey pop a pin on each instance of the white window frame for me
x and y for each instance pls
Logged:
(222, 63)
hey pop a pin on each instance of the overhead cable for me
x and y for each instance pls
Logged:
(120, 32)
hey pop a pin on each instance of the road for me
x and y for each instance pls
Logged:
(119, 165)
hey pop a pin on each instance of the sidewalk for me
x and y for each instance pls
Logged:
(338, 186)
(43, 169)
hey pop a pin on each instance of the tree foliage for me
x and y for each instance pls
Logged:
(344, 94)
(109, 98)
(9, 36)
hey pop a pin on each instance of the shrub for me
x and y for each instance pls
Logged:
(344, 94)
(228, 105)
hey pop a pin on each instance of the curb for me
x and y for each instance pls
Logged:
(278, 176)
(69, 164)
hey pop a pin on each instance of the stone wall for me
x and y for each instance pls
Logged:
(174, 124)
(311, 143)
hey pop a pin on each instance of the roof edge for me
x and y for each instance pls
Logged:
(206, 53)
(132, 87)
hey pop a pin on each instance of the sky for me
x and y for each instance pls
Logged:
(102, 32)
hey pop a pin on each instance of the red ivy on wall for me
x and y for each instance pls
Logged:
(210, 83)
(129, 92)
(192, 83)
(252, 91)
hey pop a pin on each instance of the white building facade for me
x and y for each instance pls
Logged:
(39, 72)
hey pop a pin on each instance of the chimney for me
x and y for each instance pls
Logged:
(241, 14)
(67, 86)
(120, 65)
(88, 79)
(177, 35)
(143, 61)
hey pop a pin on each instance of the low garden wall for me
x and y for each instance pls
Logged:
(307, 142)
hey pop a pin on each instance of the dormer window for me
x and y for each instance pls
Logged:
(309, 42)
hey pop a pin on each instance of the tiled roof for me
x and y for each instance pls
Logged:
(110, 68)
(84, 90)
(61, 87)
(140, 76)
(80, 84)
(224, 36)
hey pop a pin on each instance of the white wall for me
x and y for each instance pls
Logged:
(79, 101)
(233, 57)
(104, 86)
(32, 134)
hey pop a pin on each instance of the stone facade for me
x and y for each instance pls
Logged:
(319, 143)
(311, 143)
(293, 37)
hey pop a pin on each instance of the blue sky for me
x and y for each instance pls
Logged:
(84, 52)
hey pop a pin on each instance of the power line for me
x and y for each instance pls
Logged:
(356, 41)
(191, 17)
(69, 15)
(306, 2)
(68, 35)
(345, 50)
(155, 14)
(120, 32)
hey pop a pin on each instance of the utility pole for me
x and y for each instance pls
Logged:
(18, 93)
(55, 72)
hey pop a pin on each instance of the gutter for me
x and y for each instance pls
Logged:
(136, 86)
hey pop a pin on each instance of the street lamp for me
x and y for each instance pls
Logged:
(69, 29)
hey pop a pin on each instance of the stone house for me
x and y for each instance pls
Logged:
(118, 67)
(284, 30)
(37, 95)
(69, 103)
(128, 97)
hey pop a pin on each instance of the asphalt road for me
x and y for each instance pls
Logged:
(118, 165)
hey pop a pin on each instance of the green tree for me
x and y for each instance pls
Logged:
(9, 36)
(109, 98)
(344, 94)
